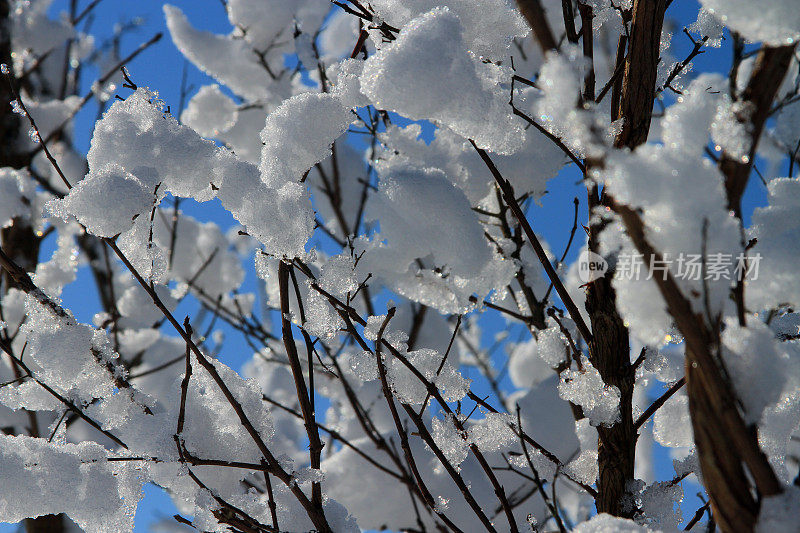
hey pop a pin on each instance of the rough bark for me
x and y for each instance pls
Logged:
(725, 444)
(610, 350)
(641, 67)
(769, 70)
(610, 347)
(9, 122)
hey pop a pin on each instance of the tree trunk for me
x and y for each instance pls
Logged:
(610, 347)
(610, 351)
(724, 444)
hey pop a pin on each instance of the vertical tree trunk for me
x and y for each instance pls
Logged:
(725, 445)
(610, 348)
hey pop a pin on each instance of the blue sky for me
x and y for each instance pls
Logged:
(161, 67)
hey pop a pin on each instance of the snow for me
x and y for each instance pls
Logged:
(339, 36)
(553, 346)
(728, 133)
(337, 275)
(528, 170)
(548, 419)
(777, 425)
(373, 326)
(779, 513)
(107, 202)
(60, 270)
(62, 350)
(777, 228)
(49, 113)
(584, 467)
(322, 319)
(210, 112)
(684, 126)
(363, 365)
(707, 25)
(526, 368)
(212, 429)
(500, 15)
(201, 255)
(299, 134)
(344, 81)
(242, 138)
(678, 226)
(660, 504)
(775, 23)
(230, 61)
(261, 142)
(494, 432)
(600, 402)
(74, 479)
(422, 213)
(28, 395)
(136, 136)
(32, 30)
(137, 308)
(453, 443)
(757, 365)
(409, 389)
(787, 124)
(672, 425)
(432, 48)
(280, 218)
(605, 523)
(14, 189)
(265, 23)
(585, 131)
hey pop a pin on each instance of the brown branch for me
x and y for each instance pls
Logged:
(558, 142)
(661, 400)
(533, 12)
(697, 516)
(696, 50)
(770, 68)
(510, 199)
(317, 518)
(349, 314)
(339, 437)
(550, 456)
(724, 443)
(537, 479)
(90, 94)
(609, 350)
(68, 404)
(306, 405)
(618, 70)
(569, 20)
(588, 49)
(185, 381)
(404, 443)
(641, 67)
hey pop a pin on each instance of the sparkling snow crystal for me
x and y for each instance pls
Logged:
(429, 74)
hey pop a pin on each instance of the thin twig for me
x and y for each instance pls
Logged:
(508, 196)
